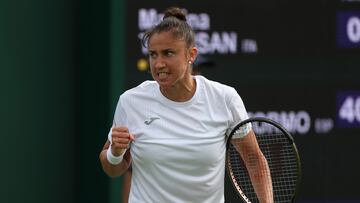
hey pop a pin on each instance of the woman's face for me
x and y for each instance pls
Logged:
(169, 59)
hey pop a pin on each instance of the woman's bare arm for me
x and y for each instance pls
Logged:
(256, 165)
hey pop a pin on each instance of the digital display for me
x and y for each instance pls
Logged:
(295, 62)
(348, 29)
(348, 109)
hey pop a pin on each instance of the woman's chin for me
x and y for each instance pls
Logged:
(164, 83)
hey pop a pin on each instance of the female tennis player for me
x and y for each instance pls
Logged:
(173, 130)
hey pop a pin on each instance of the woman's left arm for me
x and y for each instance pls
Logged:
(256, 165)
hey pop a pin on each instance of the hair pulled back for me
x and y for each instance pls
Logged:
(174, 20)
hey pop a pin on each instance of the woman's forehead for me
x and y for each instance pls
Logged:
(167, 39)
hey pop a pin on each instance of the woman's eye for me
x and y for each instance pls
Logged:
(152, 55)
(169, 53)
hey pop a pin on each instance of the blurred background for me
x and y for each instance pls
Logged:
(63, 65)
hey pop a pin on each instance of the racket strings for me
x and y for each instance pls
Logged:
(282, 161)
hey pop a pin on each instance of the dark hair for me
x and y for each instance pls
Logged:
(174, 20)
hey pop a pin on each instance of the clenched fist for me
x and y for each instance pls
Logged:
(120, 140)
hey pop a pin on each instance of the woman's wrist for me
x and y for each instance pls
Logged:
(114, 160)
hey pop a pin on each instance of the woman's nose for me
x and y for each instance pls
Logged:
(159, 63)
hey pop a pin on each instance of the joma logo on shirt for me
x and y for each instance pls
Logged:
(150, 120)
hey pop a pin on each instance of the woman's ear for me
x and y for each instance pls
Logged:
(193, 54)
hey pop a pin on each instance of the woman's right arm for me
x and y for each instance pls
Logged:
(114, 170)
(120, 141)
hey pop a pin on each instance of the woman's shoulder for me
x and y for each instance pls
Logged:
(214, 85)
(145, 87)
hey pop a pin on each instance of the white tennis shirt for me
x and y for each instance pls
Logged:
(179, 148)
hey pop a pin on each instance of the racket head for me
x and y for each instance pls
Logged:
(281, 153)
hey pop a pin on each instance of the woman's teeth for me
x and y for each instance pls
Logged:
(162, 75)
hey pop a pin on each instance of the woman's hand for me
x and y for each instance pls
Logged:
(120, 141)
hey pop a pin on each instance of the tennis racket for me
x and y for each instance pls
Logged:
(282, 157)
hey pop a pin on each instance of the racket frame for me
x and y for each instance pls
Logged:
(284, 131)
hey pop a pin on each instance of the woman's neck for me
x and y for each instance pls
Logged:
(181, 92)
